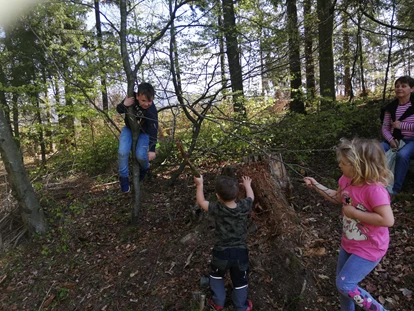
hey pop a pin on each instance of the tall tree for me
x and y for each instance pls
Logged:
(296, 101)
(104, 90)
(326, 59)
(233, 55)
(346, 55)
(309, 60)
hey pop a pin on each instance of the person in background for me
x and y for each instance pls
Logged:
(230, 249)
(398, 124)
(366, 216)
(146, 115)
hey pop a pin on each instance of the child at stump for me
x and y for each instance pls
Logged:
(230, 248)
(366, 216)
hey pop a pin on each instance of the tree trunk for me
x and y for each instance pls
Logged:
(101, 57)
(40, 129)
(346, 56)
(15, 113)
(130, 115)
(389, 58)
(309, 61)
(296, 102)
(222, 57)
(352, 93)
(326, 61)
(361, 66)
(23, 192)
(233, 56)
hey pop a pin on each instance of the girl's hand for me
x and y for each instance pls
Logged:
(348, 210)
(310, 182)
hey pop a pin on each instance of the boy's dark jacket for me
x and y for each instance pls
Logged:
(392, 108)
(147, 118)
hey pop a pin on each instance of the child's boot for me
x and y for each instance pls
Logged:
(213, 306)
(241, 303)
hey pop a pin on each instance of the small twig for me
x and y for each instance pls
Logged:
(22, 233)
(194, 171)
(187, 262)
(40, 308)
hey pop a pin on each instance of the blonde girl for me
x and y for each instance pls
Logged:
(366, 216)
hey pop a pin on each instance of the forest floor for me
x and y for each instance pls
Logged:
(94, 259)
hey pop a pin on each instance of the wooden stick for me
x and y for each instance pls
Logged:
(194, 171)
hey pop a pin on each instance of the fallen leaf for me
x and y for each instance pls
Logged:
(406, 291)
(48, 301)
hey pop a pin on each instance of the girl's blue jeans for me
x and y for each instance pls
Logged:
(402, 162)
(141, 151)
(351, 270)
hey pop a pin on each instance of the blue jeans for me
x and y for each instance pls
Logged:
(402, 162)
(141, 152)
(350, 271)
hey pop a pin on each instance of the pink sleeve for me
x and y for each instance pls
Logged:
(386, 127)
(378, 196)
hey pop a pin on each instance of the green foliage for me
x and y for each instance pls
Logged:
(322, 130)
(96, 151)
(298, 137)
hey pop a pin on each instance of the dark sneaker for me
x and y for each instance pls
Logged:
(213, 306)
(250, 307)
(124, 182)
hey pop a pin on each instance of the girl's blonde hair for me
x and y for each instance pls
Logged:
(367, 157)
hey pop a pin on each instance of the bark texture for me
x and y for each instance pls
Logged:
(23, 191)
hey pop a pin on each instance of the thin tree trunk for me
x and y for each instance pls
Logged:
(361, 67)
(101, 57)
(346, 56)
(309, 61)
(130, 115)
(23, 192)
(352, 93)
(222, 57)
(390, 45)
(15, 113)
(40, 129)
(48, 131)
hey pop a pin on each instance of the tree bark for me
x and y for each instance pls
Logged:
(101, 57)
(326, 60)
(23, 192)
(346, 56)
(296, 102)
(389, 58)
(233, 56)
(130, 115)
(309, 61)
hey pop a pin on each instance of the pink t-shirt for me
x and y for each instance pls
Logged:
(367, 241)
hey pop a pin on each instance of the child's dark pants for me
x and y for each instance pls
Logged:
(237, 261)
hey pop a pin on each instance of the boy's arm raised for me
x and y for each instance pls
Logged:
(247, 185)
(200, 193)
